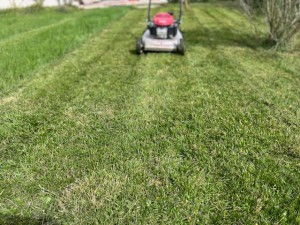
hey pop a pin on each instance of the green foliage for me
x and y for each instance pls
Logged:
(256, 4)
(96, 134)
(33, 8)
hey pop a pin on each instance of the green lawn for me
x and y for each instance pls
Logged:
(92, 133)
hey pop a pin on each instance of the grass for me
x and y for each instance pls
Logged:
(32, 42)
(96, 134)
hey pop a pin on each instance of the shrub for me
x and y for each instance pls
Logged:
(282, 16)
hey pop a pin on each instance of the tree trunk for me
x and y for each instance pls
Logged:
(186, 4)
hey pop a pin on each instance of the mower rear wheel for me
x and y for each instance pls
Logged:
(181, 47)
(139, 46)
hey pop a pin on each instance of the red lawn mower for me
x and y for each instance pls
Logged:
(162, 33)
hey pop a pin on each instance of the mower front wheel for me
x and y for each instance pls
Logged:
(181, 47)
(139, 46)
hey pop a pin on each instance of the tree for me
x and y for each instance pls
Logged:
(186, 4)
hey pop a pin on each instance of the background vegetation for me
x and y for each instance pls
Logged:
(282, 19)
(282, 16)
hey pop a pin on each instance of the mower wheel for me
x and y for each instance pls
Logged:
(139, 46)
(181, 47)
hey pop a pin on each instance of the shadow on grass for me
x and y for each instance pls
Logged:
(220, 33)
(6, 219)
(213, 37)
(133, 52)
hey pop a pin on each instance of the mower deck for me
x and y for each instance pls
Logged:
(151, 43)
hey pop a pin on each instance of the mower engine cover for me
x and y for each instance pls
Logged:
(163, 19)
(163, 26)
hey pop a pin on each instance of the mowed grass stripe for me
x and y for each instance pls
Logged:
(242, 90)
(150, 146)
(221, 30)
(60, 84)
(139, 157)
(31, 33)
(21, 21)
(166, 117)
(261, 72)
(61, 122)
(144, 103)
(21, 60)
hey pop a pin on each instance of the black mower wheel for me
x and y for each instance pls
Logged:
(181, 47)
(139, 46)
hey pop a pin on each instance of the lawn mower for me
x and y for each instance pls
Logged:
(162, 33)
